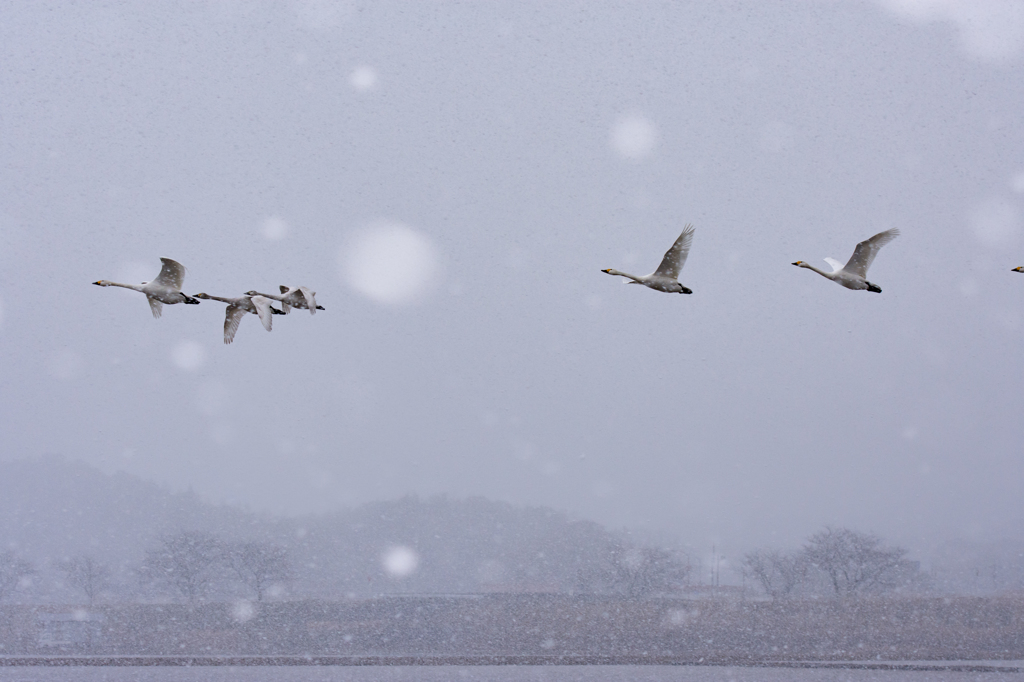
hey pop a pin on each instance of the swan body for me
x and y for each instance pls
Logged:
(666, 277)
(293, 297)
(238, 307)
(166, 288)
(854, 274)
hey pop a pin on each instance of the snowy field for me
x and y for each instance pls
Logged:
(506, 674)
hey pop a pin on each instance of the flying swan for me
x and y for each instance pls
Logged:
(854, 274)
(293, 297)
(239, 306)
(166, 288)
(665, 278)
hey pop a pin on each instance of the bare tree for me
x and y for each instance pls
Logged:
(86, 574)
(855, 562)
(258, 565)
(187, 562)
(13, 571)
(640, 571)
(778, 572)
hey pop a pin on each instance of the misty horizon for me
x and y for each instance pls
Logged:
(451, 180)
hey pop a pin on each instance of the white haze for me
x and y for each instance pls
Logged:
(450, 179)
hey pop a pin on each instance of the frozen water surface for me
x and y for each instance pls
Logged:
(502, 674)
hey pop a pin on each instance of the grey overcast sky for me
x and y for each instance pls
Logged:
(451, 178)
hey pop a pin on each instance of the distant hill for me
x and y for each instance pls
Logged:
(52, 508)
(468, 545)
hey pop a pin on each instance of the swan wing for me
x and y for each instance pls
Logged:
(156, 306)
(172, 274)
(262, 305)
(310, 297)
(284, 298)
(836, 265)
(866, 251)
(675, 257)
(232, 318)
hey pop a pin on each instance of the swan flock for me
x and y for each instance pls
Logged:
(853, 275)
(166, 288)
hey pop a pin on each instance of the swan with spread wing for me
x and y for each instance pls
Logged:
(237, 308)
(302, 298)
(854, 274)
(166, 288)
(666, 277)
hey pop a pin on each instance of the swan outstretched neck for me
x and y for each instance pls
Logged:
(853, 275)
(240, 305)
(666, 277)
(166, 288)
(302, 298)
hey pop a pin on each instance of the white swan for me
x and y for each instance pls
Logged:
(293, 297)
(666, 276)
(854, 274)
(239, 306)
(166, 288)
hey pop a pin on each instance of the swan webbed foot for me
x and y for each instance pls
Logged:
(190, 301)
(685, 290)
(320, 307)
(875, 288)
(275, 311)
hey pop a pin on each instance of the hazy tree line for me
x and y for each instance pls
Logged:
(186, 564)
(63, 531)
(189, 565)
(635, 571)
(836, 561)
(195, 566)
(14, 572)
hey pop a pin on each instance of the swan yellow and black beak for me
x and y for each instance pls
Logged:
(798, 262)
(608, 270)
(1020, 269)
